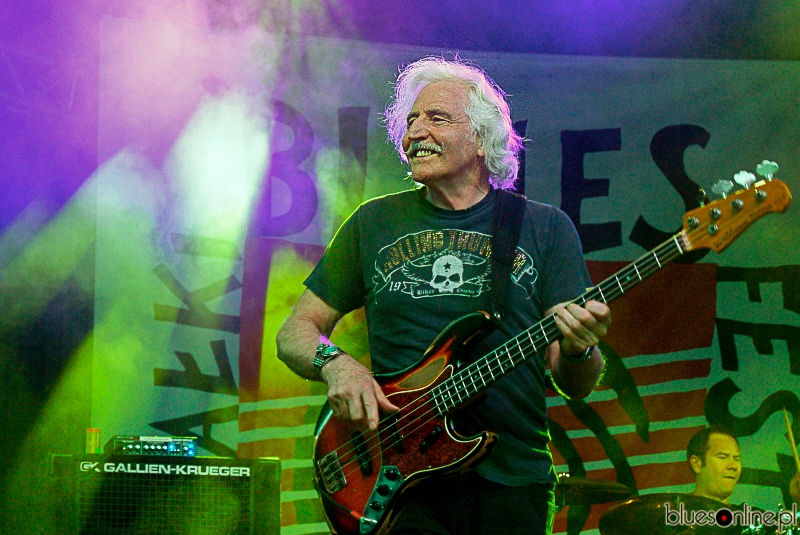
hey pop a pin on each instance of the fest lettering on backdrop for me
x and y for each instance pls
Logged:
(230, 158)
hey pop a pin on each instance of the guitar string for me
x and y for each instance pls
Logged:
(650, 263)
(646, 262)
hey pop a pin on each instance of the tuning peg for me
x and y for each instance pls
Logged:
(767, 169)
(744, 178)
(722, 187)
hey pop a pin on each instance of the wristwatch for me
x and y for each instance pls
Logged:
(580, 357)
(325, 353)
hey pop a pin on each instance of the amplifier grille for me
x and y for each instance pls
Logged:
(138, 495)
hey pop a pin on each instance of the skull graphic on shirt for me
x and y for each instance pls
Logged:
(448, 274)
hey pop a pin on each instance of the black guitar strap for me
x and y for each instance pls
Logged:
(508, 213)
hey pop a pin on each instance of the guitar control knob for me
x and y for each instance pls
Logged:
(391, 474)
(377, 506)
(383, 489)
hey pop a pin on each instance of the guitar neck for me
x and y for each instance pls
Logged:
(477, 376)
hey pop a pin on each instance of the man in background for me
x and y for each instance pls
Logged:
(714, 457)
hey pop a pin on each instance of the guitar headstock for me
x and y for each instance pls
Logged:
(717, 224)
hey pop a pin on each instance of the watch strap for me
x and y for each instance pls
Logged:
(580, 357)
(325, 353)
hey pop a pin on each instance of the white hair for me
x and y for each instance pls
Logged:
(488, 112)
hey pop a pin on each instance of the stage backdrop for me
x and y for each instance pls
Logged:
(229, 158)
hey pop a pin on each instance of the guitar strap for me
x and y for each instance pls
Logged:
(509, 210)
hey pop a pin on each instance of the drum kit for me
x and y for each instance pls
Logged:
(578, 491)
(669, 513)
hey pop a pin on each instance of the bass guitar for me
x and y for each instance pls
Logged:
(362, 477)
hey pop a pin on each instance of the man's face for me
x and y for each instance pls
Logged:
(438, 140)
(717, 476)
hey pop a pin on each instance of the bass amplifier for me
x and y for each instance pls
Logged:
(158, 445)
(130, 494)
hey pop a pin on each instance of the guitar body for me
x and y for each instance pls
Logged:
(374, 469)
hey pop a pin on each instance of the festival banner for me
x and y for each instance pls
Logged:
(229, 158)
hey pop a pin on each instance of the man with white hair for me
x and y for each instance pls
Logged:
(419, 259)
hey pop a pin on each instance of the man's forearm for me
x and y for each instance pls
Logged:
(297, 343)
(353, 393)
(576, 380)
(311, 320)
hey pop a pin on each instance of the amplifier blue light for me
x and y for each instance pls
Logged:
(151, 445)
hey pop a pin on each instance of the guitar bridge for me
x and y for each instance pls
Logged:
(331, 471)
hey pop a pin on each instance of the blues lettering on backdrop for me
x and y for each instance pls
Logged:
(624, 146)
(575, 187)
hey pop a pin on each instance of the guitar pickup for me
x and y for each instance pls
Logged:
(395, 436)
(362, 452)
(431, 438)
(332, 474)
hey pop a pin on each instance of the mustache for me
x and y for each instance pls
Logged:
(423, 145)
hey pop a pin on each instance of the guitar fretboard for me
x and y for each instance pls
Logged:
(477, 376)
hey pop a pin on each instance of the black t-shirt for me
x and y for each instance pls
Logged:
(415, 268)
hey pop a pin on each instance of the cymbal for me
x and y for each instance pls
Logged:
(647, 514)
(579, 491)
